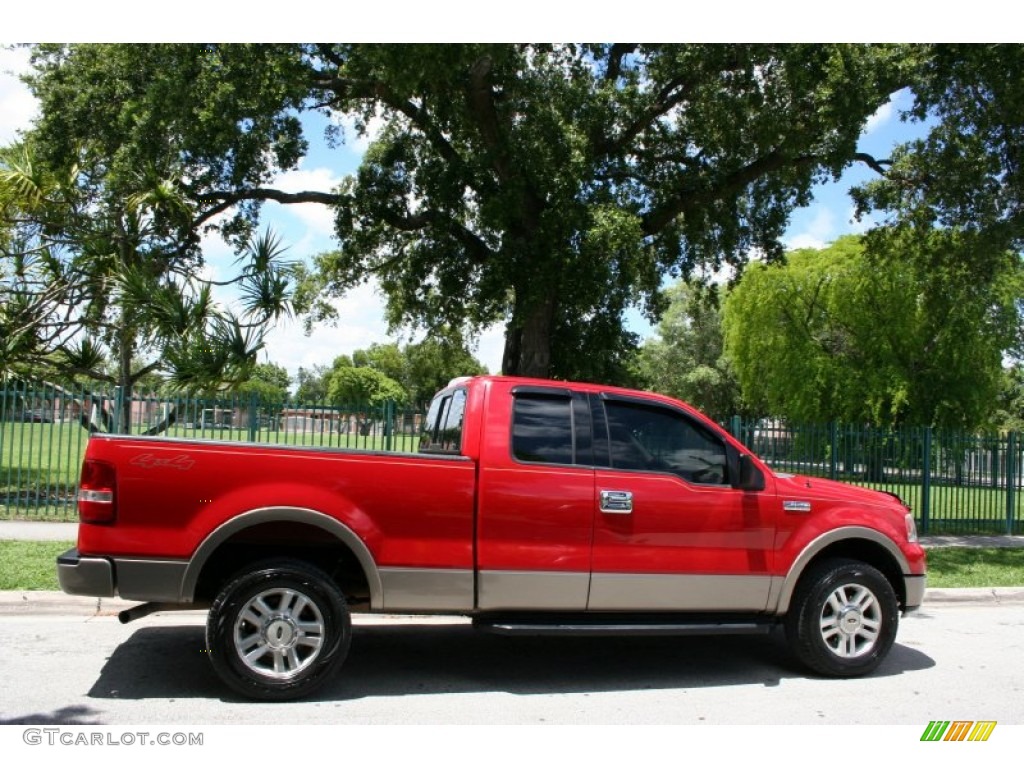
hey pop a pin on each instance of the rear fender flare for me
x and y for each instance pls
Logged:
(253, 517)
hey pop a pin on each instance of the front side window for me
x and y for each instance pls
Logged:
(654, 439)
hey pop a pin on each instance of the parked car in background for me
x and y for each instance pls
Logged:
(37, 415)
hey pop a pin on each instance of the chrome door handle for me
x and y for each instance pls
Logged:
(616, 502)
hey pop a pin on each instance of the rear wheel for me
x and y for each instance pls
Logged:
(843, 618)
(278, 630)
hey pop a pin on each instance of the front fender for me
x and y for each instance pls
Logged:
(783, 588)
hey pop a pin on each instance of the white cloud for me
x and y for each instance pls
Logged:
(491, 347)
(208, 272)
(308, 180)
(360, 143)
(212, 244)
(217, 254)
(316, 219)
(360, 323)
(19, 105)
(817, 233)
(882, 116)
(805, 241)
(866, 222)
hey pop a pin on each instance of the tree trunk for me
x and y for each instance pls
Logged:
(125, 352)
(125, 335)
(528, 339)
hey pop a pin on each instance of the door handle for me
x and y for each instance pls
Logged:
(616, 502)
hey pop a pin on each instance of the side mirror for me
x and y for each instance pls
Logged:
(750, 478)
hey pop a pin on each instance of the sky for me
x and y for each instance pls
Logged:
(307, 229)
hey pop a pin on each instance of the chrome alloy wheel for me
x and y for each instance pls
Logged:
(279, 633)
(851, 620)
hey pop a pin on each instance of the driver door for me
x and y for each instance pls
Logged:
(670, 531)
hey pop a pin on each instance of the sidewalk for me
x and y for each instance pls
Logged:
(21, 530)
(1010, 542)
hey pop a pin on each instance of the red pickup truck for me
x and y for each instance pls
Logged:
(532, 506)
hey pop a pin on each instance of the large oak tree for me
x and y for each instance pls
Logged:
(549, 187)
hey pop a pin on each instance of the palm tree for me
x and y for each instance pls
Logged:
(109, 287)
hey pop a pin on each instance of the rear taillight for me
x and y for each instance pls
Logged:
(96, 499)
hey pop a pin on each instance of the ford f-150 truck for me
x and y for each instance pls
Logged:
(532, 506)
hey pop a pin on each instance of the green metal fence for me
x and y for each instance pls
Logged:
(954, 482)
(44, 431)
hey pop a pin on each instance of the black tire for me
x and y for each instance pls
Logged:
(278, 630)
(843, 617)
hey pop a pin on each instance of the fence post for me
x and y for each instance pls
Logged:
(926, 480)
(389, 407)
(994, 473)
(254, 416)
(833, 454)
(118, 408)
(736, 428)
(1011, 481)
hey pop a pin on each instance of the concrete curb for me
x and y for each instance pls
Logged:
(26, 603)
(977, 595)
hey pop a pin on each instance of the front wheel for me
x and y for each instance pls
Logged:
(278, 630)
(843, 618)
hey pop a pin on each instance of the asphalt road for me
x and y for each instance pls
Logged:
(952, 660)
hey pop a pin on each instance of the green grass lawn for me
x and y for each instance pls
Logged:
(40, 454)
(40, 463)
(968, 567)
(31, 565)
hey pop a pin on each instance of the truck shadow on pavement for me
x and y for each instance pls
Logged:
(64, 716)
(400, 660)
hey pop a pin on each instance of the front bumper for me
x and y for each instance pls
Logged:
(915, 584)
(80, 575)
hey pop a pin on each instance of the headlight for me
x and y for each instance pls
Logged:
(911, 528)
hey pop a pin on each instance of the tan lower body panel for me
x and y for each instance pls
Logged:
(533, 590)
(557, 590)
(675, 592)
(422, 589)
(426, 589)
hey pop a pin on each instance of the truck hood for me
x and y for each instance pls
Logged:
(801, 487)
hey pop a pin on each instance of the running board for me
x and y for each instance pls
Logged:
(609, 627)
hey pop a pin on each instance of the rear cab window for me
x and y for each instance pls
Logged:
(442, 427)
(542, 429)
(551, 426)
